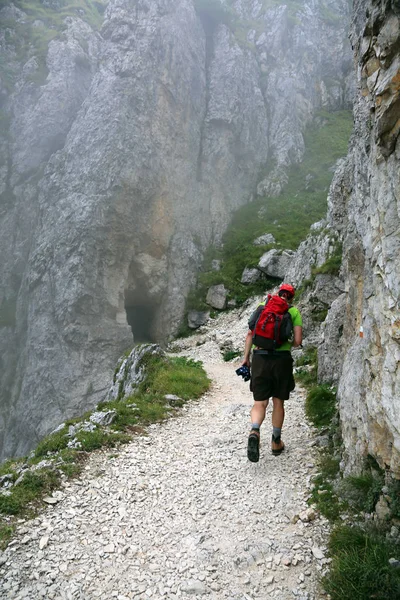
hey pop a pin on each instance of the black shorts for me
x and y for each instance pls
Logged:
(271, 375)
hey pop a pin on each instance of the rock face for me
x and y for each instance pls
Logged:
(123, 164)
(368, 212)
(360, 340)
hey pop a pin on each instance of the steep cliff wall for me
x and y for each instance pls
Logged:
(123, 163)
(359, 344)
(369, 214)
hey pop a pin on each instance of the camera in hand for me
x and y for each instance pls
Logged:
(244, 371)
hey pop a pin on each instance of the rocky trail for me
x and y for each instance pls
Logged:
(180, 512)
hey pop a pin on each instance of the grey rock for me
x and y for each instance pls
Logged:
(382, 509)
(265, 239)
(194, 587)
(197, 318)
(59, 428)
(317, 552)
(216, 296)
(276, 262)
(250, 276)
(6, 479)
(131, 371)
(172, 399)
(50, 500)
(103, 418)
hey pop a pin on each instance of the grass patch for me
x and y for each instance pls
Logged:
(94, 440)
(332, 265)
(6, 533)
(307, 370)
(231, 354)
(33, 485)
(363, 491)
(320, 405)
(360, 567)
(323, 493)
(52, 443)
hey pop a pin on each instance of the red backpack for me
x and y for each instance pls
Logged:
(274, 326)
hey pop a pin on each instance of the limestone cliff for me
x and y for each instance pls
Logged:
(122, 156)
(359, 345)
(369, 215)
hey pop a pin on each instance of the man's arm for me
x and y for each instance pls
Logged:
(247, 348)
(297, 336)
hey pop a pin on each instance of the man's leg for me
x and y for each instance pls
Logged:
(278, 416)
(257, 415)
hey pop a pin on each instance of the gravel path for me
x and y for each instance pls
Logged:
(181, 513)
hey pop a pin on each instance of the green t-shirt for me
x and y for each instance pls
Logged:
(296, 320)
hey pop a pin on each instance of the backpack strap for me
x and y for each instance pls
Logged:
(276, 330)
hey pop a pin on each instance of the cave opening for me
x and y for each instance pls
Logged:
(140, 318)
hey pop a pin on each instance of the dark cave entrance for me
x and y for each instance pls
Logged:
(140, 318)
(140, 314)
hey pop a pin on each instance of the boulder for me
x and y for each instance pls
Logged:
(216, 265)
(216, 296)
(263, 240)
(275, 263)
(103, 418)
(250, 276)
(131, 371)
(196, 318)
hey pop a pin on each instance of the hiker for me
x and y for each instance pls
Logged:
(274, 328)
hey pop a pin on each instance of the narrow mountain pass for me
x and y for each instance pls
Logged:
(181, 513)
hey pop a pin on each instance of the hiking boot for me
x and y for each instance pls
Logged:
(253, 447)
(277, 446)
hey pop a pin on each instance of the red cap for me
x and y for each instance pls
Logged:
(285, 287)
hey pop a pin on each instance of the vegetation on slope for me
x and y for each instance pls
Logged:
(54, 459)
(364, 548)
(288, 217)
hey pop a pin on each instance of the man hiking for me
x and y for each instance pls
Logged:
(274, 328)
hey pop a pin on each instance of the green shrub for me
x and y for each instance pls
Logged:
(231, 354)
(52, 443)
(332, 265)
(33, 485)
(93, 440)
(321, 405)
(307, 377)
(363, 491)
(360, 568)
(323, 493)
(308, 357)
(394, 495)
(6, 533)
